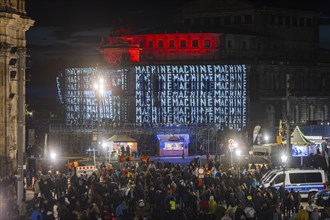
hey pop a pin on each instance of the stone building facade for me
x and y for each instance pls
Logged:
(13, 25)
(289, 72)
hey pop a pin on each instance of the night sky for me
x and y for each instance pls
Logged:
(67, 33)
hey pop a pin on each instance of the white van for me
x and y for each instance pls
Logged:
(307, 181)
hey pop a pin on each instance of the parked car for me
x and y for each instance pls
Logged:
(322, 197)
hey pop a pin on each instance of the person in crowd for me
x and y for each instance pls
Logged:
(315, 215)
(226, 216)
(302, 214)
(163, 190)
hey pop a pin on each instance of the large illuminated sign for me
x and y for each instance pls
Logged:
(191, 94)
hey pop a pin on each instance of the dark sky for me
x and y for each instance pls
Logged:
(68, 32)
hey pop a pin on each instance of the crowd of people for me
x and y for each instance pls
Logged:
(162, 190)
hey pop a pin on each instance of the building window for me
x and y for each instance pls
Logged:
(273, 19)
(171, 43)
(287, 20)
(325, 112)
(217, 20)
(296, 114)
(244, 45)
(229, 44)
(248, 19)
(160, 44)
(141, 44)
(258, 46)
(183, 43)
(280, 20)
(237, 19)
(198, 21)
(186, 21)
(301, 22)
(270, 115)
(294, 21)
(311, 113)
(207, 43)
(308, 22)
(195, 43)
(150, 44)
(227, 20)
(207, 21)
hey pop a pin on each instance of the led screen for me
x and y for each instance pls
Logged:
(174, 146)
(191, 94)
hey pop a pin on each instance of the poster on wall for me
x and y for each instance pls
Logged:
(299, 151)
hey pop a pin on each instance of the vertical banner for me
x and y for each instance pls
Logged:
(256, 132)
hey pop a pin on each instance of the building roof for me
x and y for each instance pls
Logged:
(298, 138)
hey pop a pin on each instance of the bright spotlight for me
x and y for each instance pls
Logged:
(238, 152)
(53, 156)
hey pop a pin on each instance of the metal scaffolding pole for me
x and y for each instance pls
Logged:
(288, 138)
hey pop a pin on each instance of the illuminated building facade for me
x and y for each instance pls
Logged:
(271, 53)
(161, 95)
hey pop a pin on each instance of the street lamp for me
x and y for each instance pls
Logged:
(284, 159)
(99, 88)
(266, 138)
(238, 153)
(106, 147)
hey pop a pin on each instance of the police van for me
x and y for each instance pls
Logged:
(307, 181)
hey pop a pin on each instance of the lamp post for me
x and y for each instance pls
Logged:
(99, 88)
(238, 154)
(284, 159)
(21, 126)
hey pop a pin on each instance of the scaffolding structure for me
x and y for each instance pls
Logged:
(71, 141)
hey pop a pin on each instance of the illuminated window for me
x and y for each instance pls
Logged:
(160, 44)
(195, 43)
(171, 43)
(183, 43)
(150, 44)
(207, 43)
